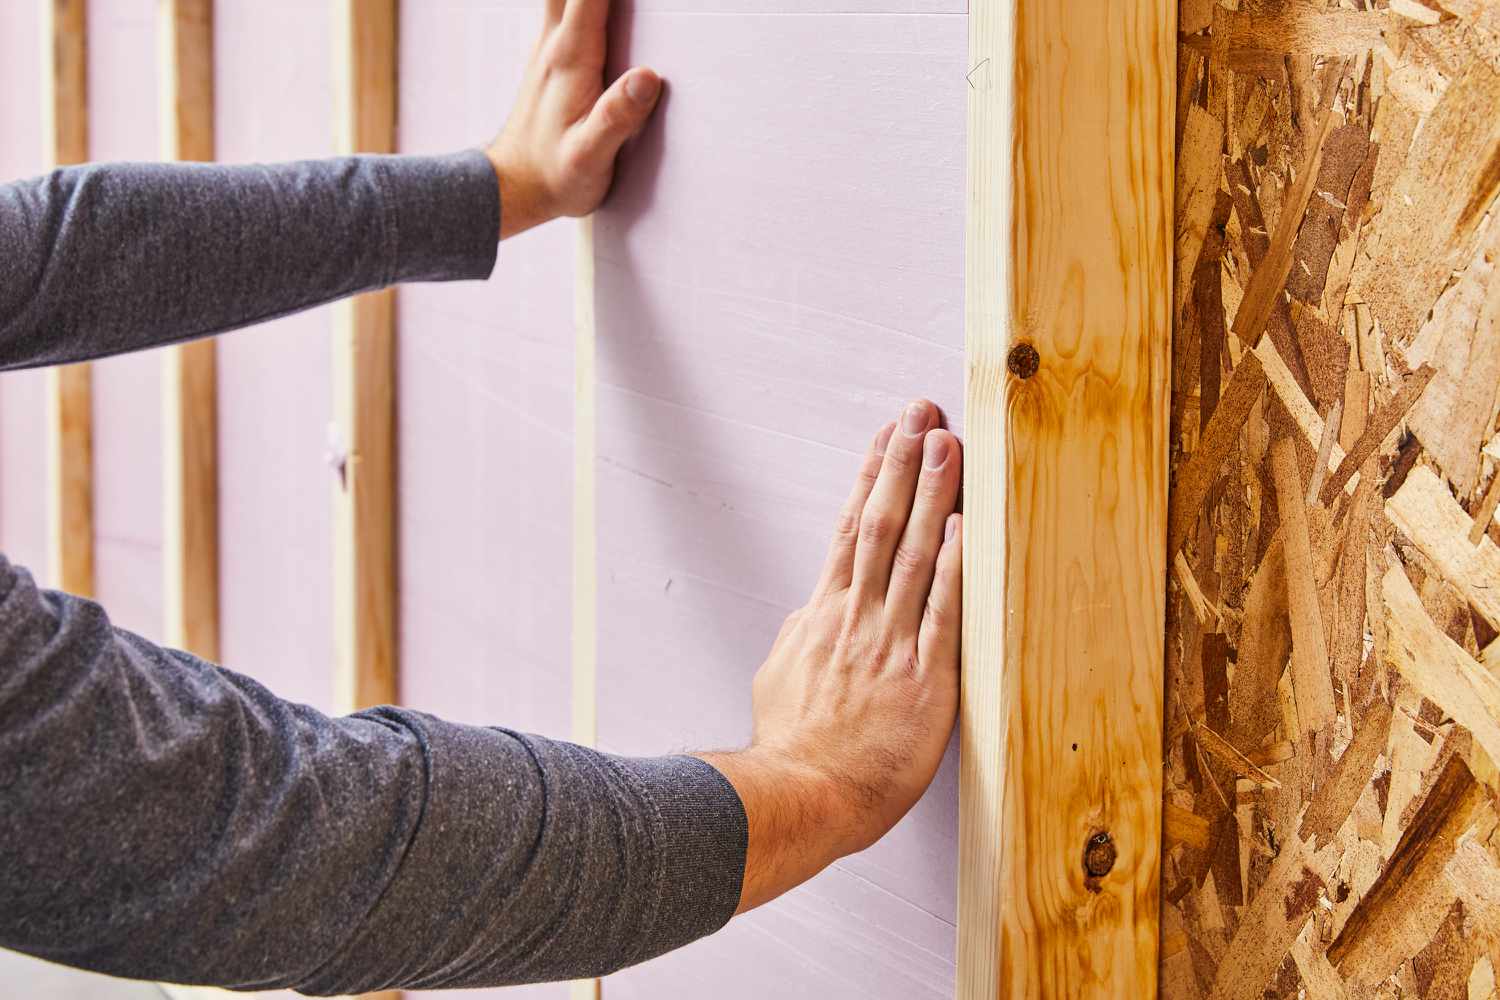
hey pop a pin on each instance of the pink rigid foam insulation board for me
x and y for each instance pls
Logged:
(779, 270)
(23, 470)
(485, 415)
(485, 420)
(127, 390)
(274, 101)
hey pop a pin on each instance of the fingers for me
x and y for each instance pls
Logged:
(886, 512)
(916, 554)
(555, 11)
(619, 114)
(585, 15)
(939, 638)
(838, 569)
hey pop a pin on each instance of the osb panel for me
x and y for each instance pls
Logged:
(1333, 715)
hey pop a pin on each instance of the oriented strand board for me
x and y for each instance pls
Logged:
(1330, 527)
(273, 101)
(127, 390)
(778, 271)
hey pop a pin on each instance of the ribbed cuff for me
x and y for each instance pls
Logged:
(446, 215)
(701, 834)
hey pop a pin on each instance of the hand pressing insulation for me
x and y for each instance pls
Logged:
(855, 706)
(556, 155)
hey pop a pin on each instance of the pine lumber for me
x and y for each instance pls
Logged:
(69, 389)
(190, 445)
(1069, 309)
(364, 384)
(364, 391)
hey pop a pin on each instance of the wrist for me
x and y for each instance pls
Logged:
(523, 204)
(792, 814)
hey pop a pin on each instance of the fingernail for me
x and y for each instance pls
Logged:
(934, 452)
(884, 438)
(951, 529)
(914, 421)
(642, 87)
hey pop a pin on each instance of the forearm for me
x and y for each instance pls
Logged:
(169, 820)
(792, 816)
(108, 258)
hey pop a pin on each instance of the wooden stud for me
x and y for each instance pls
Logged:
(190, 456)
(70, 439)
(364, 386)
(1068, 337)
(982, 720)
(364, 390)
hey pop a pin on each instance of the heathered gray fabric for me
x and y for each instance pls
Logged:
(162, 818)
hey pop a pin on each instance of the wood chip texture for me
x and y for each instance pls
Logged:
(1332, 716)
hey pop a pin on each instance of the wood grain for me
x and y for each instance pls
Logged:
(190, 456)
(364, 391)
(364, 492)
(70, 400)
(982, 721)
(1066, 498)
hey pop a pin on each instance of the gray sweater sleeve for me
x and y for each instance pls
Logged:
(162, 818)
(108, 258)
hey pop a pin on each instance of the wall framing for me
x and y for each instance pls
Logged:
(190, 442)
(69, 390)
(364, 389)
(1068, 342)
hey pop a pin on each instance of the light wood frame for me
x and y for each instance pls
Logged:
(69, 391)
(190, 445)
(1068, 345)
(364, 385)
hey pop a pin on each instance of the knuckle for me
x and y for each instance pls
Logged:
(827, 618)
(938, 615)
(847, 528)
(909, 561)
(577, 159)
(613, 117)
(932, 487)
(877, 529)
(901, 460)
(560, 50)
(851, 635)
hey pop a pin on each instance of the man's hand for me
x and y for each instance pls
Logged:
(556, 155)
(856, 703)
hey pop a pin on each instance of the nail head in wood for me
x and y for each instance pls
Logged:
(1023, 361)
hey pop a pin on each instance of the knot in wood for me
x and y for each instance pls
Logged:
(1099, 857)
(1023, 361)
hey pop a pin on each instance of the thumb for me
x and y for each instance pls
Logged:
(620, 112)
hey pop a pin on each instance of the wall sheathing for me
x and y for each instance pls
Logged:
(1333, 716)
